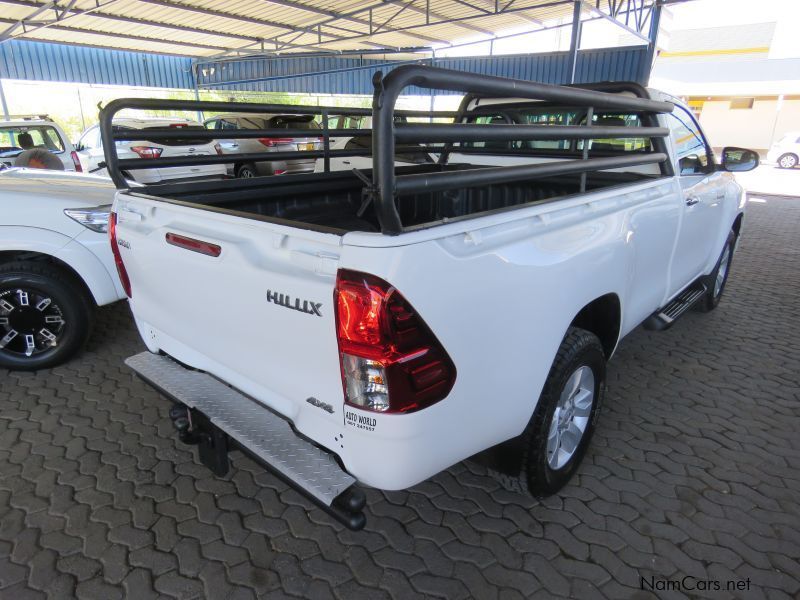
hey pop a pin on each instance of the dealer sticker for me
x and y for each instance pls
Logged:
(360, 421)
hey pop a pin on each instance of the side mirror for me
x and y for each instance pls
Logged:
(738, 159)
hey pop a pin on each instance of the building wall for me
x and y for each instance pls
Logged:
(755, 128)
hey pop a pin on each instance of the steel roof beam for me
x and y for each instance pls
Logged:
(429, 13)
(241, 18)
(608, 16)
(410, 28)
(128, 36)
(68, 12)
(348, 16)
(38, 9)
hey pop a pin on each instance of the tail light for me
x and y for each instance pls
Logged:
(278, 171)
(391, 361)
(147, 151)
(272, 142)
(123, 274)
(76, 161)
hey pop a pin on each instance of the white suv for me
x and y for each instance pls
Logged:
(90, 151)
(23, 132)
(786, 151)
(56, 265)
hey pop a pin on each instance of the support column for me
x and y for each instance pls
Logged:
(575, 40)
(652, 36)
(200, 115)
(3, 101)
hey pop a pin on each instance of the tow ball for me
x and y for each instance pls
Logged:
(195, 429)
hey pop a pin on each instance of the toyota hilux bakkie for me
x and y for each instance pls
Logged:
(374, 327)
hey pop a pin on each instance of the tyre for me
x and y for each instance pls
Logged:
(558, 434)
(716, 281)
(45, 316)
(787, 161)
(246, 171)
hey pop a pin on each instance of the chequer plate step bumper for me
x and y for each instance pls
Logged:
(258, 430)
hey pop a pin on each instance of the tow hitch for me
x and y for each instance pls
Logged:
(194, 428)
(217, 418)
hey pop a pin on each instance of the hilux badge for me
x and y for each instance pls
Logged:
(304, 306)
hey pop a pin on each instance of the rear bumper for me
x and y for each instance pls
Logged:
(264, 435)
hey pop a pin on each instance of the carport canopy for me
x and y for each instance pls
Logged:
(230, 28)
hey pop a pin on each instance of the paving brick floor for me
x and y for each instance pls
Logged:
(694, 471)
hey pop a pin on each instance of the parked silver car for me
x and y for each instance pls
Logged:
(233, 121)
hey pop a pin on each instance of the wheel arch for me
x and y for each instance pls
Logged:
(7, 256)
(603, 317)
(93, 272)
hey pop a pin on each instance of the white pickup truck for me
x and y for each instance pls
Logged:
(376, 328)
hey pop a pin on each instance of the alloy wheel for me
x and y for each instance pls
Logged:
(571, 417)
(30, 322)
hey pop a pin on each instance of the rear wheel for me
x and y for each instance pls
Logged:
(787, 161)
(558, 434)
(45, 316)
(246, 171)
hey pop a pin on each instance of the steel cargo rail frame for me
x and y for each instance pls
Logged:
(387, 186)
(388, 135)
(116, 166)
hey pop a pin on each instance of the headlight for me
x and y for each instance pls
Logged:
(95, 218)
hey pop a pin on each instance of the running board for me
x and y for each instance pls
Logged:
(679, 306)
(260, 432)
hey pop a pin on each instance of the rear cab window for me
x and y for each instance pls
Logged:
(561, 117)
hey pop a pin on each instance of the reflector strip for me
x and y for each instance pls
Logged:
(194, 245)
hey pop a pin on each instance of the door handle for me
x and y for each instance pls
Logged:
(345, 162)
(692, 200)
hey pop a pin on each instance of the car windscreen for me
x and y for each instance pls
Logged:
(16, 138)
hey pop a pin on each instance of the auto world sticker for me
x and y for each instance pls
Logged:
(360, 421)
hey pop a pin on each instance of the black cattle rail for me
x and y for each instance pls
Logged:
(387, 185)
(116, 166)
(389, 133)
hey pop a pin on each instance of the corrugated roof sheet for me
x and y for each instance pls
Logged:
(58, 62)
(205, 28)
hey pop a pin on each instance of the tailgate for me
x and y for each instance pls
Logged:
(259, 315)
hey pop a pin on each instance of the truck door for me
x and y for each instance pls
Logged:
(702, 191)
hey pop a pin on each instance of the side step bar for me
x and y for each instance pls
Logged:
(257, 430)
(676, 308)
